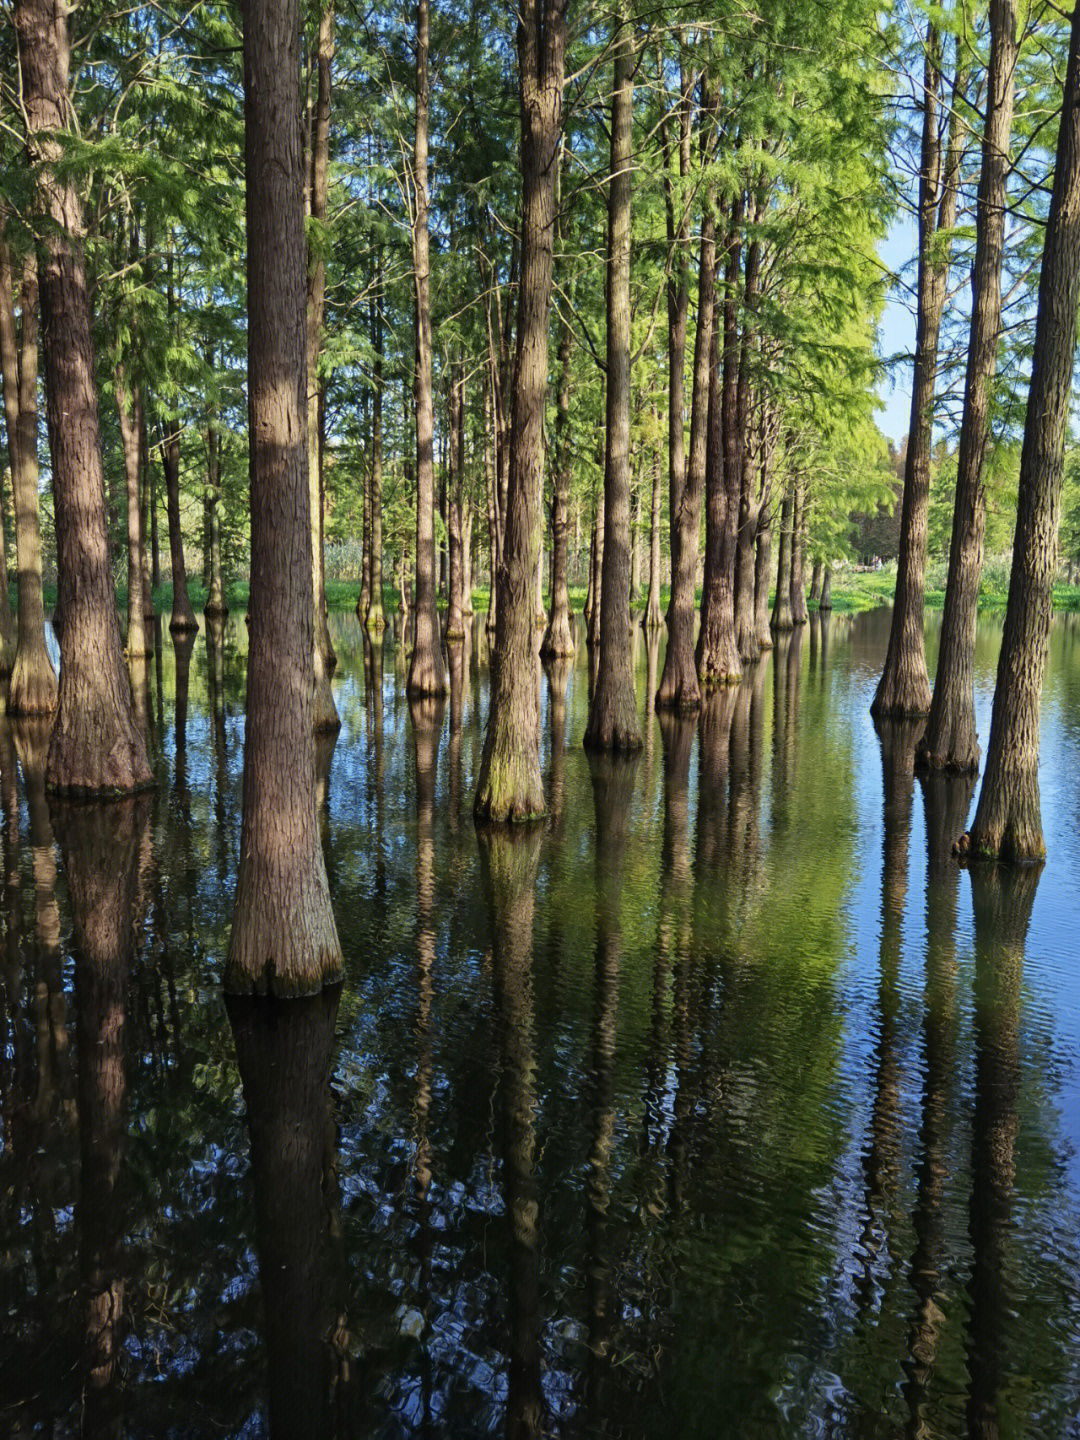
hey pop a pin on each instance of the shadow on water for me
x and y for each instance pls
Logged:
(722, 1103)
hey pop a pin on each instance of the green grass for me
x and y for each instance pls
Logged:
(852, 593)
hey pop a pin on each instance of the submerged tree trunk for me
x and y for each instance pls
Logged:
(763, 573)
(509, 785)
(96, 749)
(950, 741)
(1008, 821)
(799, 612)
(455, 618)
(426, 673)
(33, 688)
(129, 407)
(613, 722)
(815, 583)
(215, 599)
(183, 616)
(904, 688)
(825, 603)
(374, 618)
(284, 939)
(679, 689)
(324, 718)
(781, 615)
(717, 653)
(559, 636)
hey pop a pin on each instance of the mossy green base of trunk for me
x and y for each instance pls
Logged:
(512, 790)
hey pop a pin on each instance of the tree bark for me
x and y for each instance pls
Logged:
(559, 636)
(904, 688)
(284, 939)
(679, 689)
(613, 722)
(426, 672)
(825, 603)
(950, 740)
(1008, 821)
(509, 784)
(96, 749)
(33, 689)
(815, 583)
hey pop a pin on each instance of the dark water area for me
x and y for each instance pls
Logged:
(722, 1104)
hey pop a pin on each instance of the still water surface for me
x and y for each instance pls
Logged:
(725, 1104)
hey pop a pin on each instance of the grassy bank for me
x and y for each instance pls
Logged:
(852, 593)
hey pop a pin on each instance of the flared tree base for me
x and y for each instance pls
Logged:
(1008, 822)
(558, 641)
(903, 692)
(510, 790)
(375, 620)
(34, 689)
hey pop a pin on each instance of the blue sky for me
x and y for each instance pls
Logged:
(896, 334)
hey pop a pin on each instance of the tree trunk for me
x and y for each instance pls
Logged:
(781, 615)
(467, 519)
(494, 531)
(763, 573)
(33, 689)
(746, 628)
(559, 636)
(825, 603)
(596, 575)
(183, 616)
(215, 599)
(1008, 821)
(717, 652)
(324, 718)
(904, 688)
(509, 784)
(815, 583)
(653, 618)
(96, 749)
(950, 741)
(375, 619)
(426, 673)
(149, 488)
(679, 689)
(799, 612)
(455, 619)
(613, 722)
(129, 406)
(284, 939)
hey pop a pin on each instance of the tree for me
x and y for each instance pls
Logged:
(33, 688)
(97, 748)
(284, 939)
(950, 741)
(426, 676)
(904, 687)
(613, 722)
(325, 716)
(509, 784)
(1008, 820)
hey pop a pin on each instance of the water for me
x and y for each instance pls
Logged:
(726, 1105)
